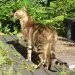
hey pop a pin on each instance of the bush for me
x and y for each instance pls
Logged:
(7, 24)
(53, 14)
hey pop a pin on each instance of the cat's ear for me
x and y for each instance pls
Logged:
(24, 9)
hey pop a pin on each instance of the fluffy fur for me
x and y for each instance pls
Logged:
(41, 37)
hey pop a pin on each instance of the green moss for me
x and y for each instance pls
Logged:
(3, 53)
(63, 73)
(8, 58)
(27, 67)
(73, 71)
(19, 73)
(5, 60)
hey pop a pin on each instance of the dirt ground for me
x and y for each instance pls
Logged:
(65, 51)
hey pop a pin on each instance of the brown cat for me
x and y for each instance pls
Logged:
(41, 37)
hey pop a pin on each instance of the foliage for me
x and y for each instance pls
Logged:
(53, 15)
(7, 24)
